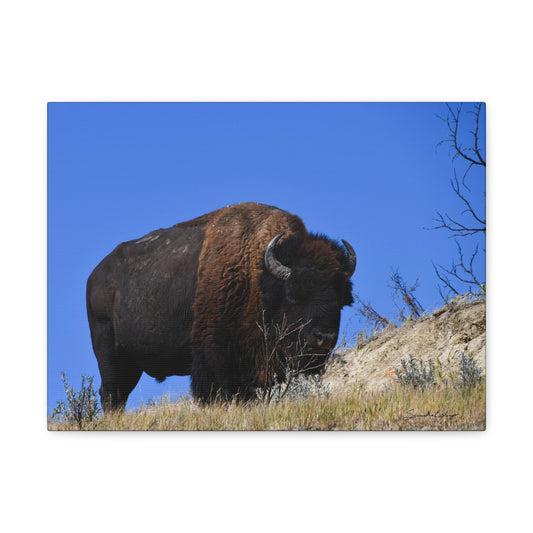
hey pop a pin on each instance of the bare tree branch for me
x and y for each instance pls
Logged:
(463, 272)
(476, 137)
(474, 223)
(457, 228)
(374, 320)
(452, 120)
(457, 189)
(406, 294)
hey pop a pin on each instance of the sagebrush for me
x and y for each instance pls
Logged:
(416, 375)
(470, 373)
(82, 407)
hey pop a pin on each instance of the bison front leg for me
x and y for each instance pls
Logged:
(217, 375)
(209, 379)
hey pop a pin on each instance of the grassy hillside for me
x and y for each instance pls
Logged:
(397, 408)
(426, 375)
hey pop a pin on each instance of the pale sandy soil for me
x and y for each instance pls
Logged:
(457, 328)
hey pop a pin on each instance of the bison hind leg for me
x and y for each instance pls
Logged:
(118, 380)
(118, 371)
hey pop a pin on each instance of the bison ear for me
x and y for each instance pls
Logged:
(277, 269)
(352, 259)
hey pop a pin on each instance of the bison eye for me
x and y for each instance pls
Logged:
(293, 294)
(291, 297)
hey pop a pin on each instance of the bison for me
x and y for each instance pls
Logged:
(229, 298)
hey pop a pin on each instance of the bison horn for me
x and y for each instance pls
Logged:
(352, 258)
(278, 270)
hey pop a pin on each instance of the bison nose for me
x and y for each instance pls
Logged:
(323, 341)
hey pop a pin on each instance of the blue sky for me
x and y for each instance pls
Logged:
(368, 173)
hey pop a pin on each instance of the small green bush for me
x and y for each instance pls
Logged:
(415, 373)
(416, 376)
(82, 406)
(470, 374)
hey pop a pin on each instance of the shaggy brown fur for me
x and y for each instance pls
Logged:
(191, 299)
(228, 303)
(229, 344)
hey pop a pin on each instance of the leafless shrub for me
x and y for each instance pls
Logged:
(288, 368)
(374, 320)
(410, 307)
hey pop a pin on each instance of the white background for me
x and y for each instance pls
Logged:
(276, 50)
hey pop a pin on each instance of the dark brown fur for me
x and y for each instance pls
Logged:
(167, 311)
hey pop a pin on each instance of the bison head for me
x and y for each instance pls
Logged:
(305, 283)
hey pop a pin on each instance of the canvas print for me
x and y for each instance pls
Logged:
(266, 266)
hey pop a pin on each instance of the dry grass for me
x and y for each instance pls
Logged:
(397, 408)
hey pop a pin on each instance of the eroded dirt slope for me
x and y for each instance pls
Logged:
(456, 328)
